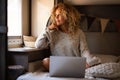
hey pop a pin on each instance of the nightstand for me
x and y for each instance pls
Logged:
(23, 56)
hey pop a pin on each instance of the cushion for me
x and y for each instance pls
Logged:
(15, 42)
(107, 58)
(106, 70)
(29, 41)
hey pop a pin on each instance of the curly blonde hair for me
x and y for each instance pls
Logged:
(69, 12)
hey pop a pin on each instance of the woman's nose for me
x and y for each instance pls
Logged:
(57, 16)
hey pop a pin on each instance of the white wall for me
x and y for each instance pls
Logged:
(41, 10)
(25, 17)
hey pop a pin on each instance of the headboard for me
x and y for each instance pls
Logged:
(106, 43)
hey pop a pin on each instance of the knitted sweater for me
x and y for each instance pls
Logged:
(62, 44)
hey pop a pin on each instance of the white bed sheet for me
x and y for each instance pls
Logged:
(45, 76)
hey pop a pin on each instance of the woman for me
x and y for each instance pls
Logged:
(64, 36)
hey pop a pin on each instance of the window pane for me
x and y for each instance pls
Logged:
(14, 17)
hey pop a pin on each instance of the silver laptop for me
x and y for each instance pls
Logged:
(67, 66)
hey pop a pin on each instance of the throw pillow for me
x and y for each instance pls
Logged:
(106, 70)
(29, 41)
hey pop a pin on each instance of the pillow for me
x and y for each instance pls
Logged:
(106, 70)
(107, 58)
(15, 42)
(29, 41)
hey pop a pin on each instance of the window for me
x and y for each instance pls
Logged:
(14, 15)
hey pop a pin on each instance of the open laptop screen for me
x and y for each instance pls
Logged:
(62, 66)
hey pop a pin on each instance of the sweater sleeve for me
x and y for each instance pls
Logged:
(43, 39)
(91, 59)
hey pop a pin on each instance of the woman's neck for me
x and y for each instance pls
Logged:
(64, 28)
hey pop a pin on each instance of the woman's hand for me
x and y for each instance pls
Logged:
(53, 26)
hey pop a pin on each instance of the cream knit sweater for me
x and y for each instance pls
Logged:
(61, 44)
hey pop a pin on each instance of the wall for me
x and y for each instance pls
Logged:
(41, 10)
(25, 17)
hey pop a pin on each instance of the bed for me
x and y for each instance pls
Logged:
(105, 45)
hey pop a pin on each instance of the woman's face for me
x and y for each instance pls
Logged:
(59, 17)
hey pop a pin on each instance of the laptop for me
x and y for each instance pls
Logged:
(62, 66)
